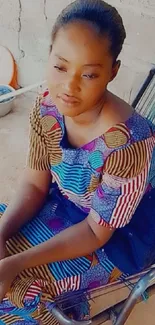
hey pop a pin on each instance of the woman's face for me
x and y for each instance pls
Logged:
(80, 67)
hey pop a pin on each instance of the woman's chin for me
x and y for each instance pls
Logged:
(68, 110)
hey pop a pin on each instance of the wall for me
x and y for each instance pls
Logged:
(25, 27)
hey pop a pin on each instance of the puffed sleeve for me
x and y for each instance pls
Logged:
(38, 157)
(123, 184)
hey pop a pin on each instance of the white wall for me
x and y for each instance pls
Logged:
(25, 27)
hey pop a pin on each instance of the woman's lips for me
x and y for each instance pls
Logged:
(68, 99)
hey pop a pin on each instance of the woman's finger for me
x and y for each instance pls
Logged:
(3, 291)
(2, 294)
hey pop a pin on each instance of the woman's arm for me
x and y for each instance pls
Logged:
(76, 241)
(28, 201)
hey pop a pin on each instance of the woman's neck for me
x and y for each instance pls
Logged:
(91, 116)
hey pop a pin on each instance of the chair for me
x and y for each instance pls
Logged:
(144, 104)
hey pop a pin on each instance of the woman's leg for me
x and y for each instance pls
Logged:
(24, 305)
(34, 291)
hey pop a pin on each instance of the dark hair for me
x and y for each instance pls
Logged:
(104, 18)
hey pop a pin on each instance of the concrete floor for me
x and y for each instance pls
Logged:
(13, 145)
(13, 149)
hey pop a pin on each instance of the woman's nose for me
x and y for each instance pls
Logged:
(72, 85)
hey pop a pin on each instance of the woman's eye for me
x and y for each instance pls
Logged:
(90, 76)
(61, 69)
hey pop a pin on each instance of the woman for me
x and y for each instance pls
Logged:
(89, 166)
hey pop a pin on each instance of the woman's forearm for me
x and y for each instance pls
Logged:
(21, 210)
(28, 201)
(76, 241)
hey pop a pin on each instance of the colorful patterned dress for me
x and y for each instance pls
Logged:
(108, 178)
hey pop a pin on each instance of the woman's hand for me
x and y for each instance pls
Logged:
(8, 272)
(3, 251)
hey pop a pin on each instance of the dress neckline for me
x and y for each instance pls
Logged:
(66, 145)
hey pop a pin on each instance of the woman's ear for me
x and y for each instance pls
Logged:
(115, 69)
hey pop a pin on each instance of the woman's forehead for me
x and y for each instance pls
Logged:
(80, 42)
